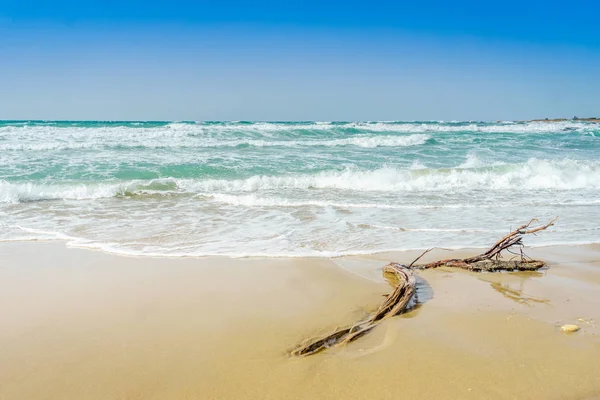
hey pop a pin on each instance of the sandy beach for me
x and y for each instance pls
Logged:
(250, 200)
(79, 324)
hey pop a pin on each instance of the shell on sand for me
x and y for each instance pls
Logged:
(569, 328)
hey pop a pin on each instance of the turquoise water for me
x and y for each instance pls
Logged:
(293, 189)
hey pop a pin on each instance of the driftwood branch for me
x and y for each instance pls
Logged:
(418, 258)
(404, 296)
(395, 303)
(490, 260)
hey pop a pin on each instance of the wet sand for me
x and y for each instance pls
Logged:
(79, 324)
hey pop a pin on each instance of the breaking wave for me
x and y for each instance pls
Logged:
(532, 175)
(535, 174)
(26, 192)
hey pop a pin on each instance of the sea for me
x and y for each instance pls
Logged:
(296, 189)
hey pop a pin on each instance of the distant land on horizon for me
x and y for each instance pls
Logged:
(590, 119)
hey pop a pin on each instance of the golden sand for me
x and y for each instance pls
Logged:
(78, 324)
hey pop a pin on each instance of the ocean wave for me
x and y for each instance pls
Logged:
(394, 126)
(535, 174)
(26, 192)
(151, 143)
(207, 129)
(16, 139)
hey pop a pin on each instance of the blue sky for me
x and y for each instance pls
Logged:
(328, 60)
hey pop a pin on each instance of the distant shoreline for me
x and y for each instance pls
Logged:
(565, 119)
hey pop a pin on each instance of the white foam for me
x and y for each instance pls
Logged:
(375, 141)
(342, 243)
(417, 165)
(473, 161)
(457, 230)
(252, 200)
(38, 234)
(115, 248)
(157, 140)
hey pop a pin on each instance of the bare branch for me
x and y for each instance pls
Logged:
(418, 258)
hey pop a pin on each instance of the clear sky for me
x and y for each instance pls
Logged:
(299, 60)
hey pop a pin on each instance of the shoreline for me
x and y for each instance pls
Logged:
(88, 324)
(332, 255)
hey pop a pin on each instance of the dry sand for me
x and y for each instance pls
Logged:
(78, 324)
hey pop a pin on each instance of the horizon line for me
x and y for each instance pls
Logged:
(554, 119)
